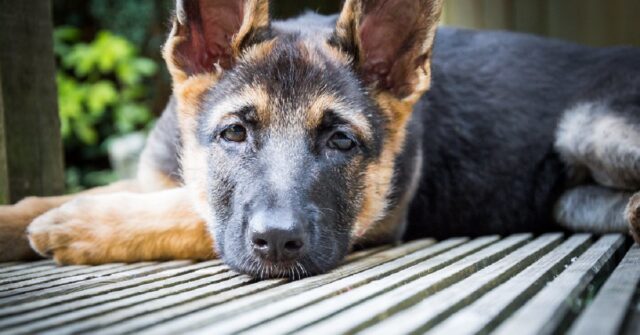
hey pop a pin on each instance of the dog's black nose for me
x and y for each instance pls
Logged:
(278, 236)
(277, 245)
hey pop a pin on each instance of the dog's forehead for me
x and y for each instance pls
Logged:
(295, 80)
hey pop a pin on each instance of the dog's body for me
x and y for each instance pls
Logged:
(486, 131)
(517, 133)
(499, 122)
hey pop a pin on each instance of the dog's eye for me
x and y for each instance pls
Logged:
(234, 133)
(341, 141)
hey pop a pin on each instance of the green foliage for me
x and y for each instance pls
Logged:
(101, 94)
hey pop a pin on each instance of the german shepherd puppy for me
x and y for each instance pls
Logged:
(288, 143)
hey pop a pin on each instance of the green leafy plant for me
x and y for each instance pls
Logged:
(101, 94)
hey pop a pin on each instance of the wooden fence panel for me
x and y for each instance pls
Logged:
(591, 22)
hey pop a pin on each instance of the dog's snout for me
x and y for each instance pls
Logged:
(278, 236)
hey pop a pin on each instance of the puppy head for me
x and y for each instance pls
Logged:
(290, 130)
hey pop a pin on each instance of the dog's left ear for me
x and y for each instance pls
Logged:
(391, 42)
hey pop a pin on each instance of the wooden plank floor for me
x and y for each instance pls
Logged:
(519, 284)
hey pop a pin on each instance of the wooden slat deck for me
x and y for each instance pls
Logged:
(520, 284)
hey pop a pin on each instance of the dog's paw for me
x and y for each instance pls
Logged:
(78, 232)
(632, 214)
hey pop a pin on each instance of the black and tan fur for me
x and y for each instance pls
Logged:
(517, 133)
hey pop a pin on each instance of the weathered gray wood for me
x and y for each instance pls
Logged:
(432, 260)
(154, 323)
(409, 293)
(423, 315)
(155, 305)
(606, 314)
(354, 283)
(27, 271)
(22, 266)
(49, 274)
(547, 311)
(31, 125)
(483, 314)
(80, 318)
(5, 265)
(134, 281)
(35, 284)
(354, 256)
(130, 271)
(453, 287)
(206, 310)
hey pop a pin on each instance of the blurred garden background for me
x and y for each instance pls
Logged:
(112, 83)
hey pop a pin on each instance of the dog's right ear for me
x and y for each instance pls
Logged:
(208, 35)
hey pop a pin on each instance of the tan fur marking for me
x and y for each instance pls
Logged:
(193, 157)
(258, 51)
(122, 227)
(152, 180)
(335, 54)
(256, 16)
(324, 102)
(253, 95)
(379, 175)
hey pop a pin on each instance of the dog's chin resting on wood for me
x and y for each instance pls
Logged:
(287, 144)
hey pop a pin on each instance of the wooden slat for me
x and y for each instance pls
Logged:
(51, 274)
(27, 270)
(153, 323)
(41, 308)
(377, 305)
(21, 266)
(354, 256)
(124, 273)
(201, 315)
(80, 318)
(606, 314)
(548, 310)
(35, 285)
(481, 316)
(155, 305)
(4, 265)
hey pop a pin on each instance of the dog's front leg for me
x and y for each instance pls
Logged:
(122, 227)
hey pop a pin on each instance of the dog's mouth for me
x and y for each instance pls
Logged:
(291, 270)
(263, 269)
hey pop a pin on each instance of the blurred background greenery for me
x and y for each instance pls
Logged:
(112, 82)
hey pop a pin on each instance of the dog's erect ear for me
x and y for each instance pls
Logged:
(208, 35)
(391, 42)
